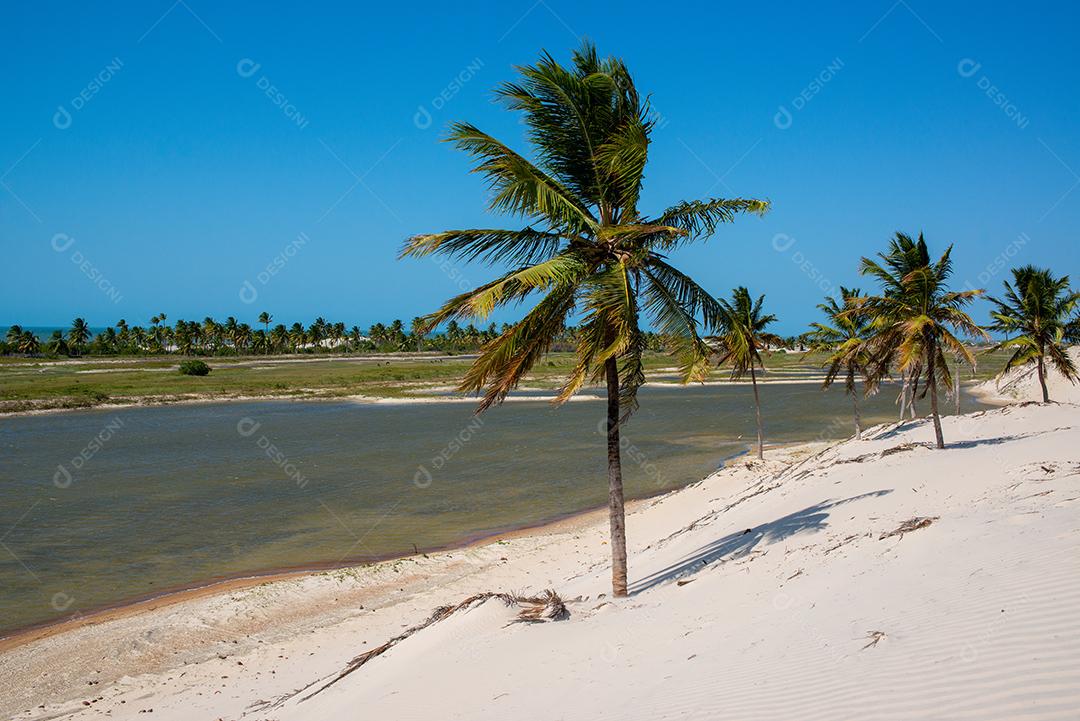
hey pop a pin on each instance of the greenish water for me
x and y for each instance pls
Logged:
(99, 507)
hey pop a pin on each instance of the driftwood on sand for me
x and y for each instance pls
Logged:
(547, 606)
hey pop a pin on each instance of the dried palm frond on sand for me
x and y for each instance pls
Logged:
(547, 606)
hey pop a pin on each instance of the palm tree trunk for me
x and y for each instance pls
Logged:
(931, 380)
(904, 396)
(913, 390)
(757, 409)
(855, 402)
(1042, 378)
(956, 389)
(617, 511)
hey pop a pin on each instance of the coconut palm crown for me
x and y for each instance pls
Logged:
(1037, 308)
(585, 246)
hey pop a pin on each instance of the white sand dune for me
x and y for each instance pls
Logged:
(1023, 384)
(768, 591)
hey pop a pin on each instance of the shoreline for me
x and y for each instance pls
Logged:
(220, 586)
(157, 401)
(18, 637)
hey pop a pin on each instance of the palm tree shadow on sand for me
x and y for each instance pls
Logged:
(740, 543)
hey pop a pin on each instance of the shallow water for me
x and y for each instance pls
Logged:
(98, 507)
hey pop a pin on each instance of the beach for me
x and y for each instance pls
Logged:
(874, 578)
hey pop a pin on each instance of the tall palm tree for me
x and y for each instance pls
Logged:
(846, 338)
(418, 331)
(265, 319)
(13, 334)
(585, 245)
(915, 318)
(79, 335)
(742, 337)
(1038, 308)
(903, 256)
(123, 335)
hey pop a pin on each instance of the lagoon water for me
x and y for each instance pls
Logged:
(102, 506)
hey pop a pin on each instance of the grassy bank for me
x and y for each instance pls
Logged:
(33, 384)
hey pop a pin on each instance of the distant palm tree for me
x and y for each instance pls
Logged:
(846, 338)
(279, 336)
(123, 335)
(265, 319)
(1038, 308)
(28, 343)
(585, 246)
(742, 336)
(356, 338)
(79, 335)
(911, 320)
(297, 337)
(57, 345)
(418, 331)
(242, 337)
(108, 340)
(14, 333)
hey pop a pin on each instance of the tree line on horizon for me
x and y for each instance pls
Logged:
(233, 338)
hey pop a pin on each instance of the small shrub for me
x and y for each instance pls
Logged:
(194, 368)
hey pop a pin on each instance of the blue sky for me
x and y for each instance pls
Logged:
(156, 157)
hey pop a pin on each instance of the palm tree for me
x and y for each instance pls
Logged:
(417, 329)
(14, 333)
(911, 320)
(138, 336)
(904, 256)
(265, 319)
(846, 338)
(79, 334)
(28, 343)
(57, 345)
(742, 337)
(297, 337)
(356, 338)
(585, 245)
(123, 336)
(280, 337)
(1038, 307)
(108, 340)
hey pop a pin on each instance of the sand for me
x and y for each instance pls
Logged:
(770, 590)
(1023, 384)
